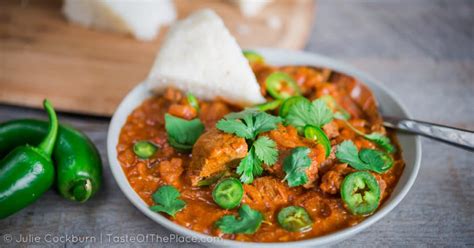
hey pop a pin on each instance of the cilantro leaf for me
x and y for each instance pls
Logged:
(295, 166)
(249, 167)
(242, 114)
(381, 140)
(323, 113)
(182, 134)
(167, 199)
(265, 149)
(347, 153)
(303, 113)
(248, 123)
(248, 222)
(365, 159)
(379, 161)
(265, 122)
(236, 127)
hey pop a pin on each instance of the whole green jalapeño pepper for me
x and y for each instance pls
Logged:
(77, 160)
(27, 172)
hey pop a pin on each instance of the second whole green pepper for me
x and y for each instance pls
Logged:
(27, 172)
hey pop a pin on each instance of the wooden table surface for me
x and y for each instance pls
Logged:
(422, 50)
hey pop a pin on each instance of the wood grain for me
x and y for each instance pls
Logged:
(434, 80)
(87, 71)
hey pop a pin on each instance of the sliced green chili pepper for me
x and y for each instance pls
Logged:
(77, 160)
(318, 135)
(253, 57)
(269, 105)
(360, 192)
(294, 219)
(27, 172)
(144, 149)
(286, 105)
(193, 101)
(228, 193)
(281, 86)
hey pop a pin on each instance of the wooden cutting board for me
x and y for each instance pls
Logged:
(89, 72)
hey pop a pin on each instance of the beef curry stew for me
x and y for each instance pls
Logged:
(312, 160)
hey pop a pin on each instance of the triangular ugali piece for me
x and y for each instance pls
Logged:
(199, 55)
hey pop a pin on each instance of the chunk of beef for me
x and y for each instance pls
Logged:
(266, 193)
(171, 170)
(332, 179)
(211, 112)
(213, 151)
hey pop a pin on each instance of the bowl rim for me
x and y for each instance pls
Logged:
(123, 110)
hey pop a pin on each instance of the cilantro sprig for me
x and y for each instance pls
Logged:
(167, 200)
(365, 159)
(381, 140)
(304, 113)
(248, 222)
(182, 134)
(341, 114)
(295, 166)
(249, 124)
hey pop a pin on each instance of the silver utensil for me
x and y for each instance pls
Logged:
(454, 136)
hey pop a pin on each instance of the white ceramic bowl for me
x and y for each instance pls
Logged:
(410, 144)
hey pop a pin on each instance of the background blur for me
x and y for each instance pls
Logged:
(422, 50)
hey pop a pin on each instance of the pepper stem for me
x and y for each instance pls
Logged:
(47, 145)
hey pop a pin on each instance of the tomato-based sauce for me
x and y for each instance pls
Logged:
(267, 193)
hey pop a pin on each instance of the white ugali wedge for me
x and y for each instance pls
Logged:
(199, 55)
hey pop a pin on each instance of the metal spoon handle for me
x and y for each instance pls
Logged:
(451, 135)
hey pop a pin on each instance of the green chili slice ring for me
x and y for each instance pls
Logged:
(193, 101)
(253, 57)
(360, 192)
(318, 135)
(144, 149)
(281, 86)
(286, 105)
(269, 105)
(228, 193)
(294, 219)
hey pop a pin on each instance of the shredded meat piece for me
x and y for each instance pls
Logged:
(266, 193)
(213, 151)
(318, 207)
(331, 181)
(212, 112)
(331, 129)
(171, 170)
(286, 137)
